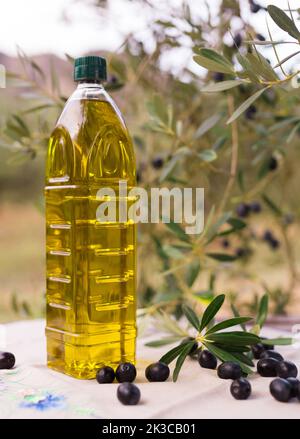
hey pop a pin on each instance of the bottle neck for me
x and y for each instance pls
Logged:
(89, 83)
(89, 90)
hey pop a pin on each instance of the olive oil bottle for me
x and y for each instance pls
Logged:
(91, 265)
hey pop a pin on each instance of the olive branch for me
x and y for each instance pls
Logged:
(255, 68)
(225, 345)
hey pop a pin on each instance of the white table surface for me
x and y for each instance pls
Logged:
(31, 390)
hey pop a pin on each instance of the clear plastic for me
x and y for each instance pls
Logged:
(91, 266)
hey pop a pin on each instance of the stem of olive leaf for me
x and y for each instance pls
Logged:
(257, 188)
(234, 156)
(155, 307)
(43, 90)
(291, 260)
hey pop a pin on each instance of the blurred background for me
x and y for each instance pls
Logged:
(181, 138)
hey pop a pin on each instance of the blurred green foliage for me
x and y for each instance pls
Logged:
(234, 131)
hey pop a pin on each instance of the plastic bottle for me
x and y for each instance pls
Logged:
(91, 265)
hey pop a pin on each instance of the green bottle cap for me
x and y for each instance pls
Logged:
(90, 68)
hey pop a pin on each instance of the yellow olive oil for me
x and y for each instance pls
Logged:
(91, 265)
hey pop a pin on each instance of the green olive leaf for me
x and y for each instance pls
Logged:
(228, 323)
(207, 125)
(227, 356)
(237, 314)
(244, 358)
(280, 341)
(234, 338)
(211, 311)
(191, 316)
(271, 204)
(172, 354)
(162, 342)
(215, 87)
(212, 60)
(283, 21)
(261, 66)
(178, 231)
(249, 71)
(180, 360)
(245, 105)
(262, 310)
(207, 155)
(192, 273)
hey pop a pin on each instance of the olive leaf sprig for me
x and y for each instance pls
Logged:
(227, 346)
(255, 68)
(259, 321)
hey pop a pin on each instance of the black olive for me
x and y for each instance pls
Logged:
(281, 389)
(250, 112)
(260, 37)
(240, 388)
(7, 360)
(229, 370)
(105, 375)
(157, 162)
(254, 7)
(267, 367)
(257, 350)
(126, 372)
(218, 76)
(268, 235)
(274, 243)
(238, 40)
(157, 372)
(295, 385)
(225, 243)
(207, 360)
(286, 369)
(273, 164)
(255, 207)
(128, 394)
(243, 210)
(113, 79)
(271, 354)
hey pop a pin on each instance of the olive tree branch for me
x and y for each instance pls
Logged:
(234, 156)
(290, 259)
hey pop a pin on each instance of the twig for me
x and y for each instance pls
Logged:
(290, 260)
(37, 86)
(234, 156)
(274, 48)
(257, 189)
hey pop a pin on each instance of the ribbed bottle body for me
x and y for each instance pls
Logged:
(91, 264)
